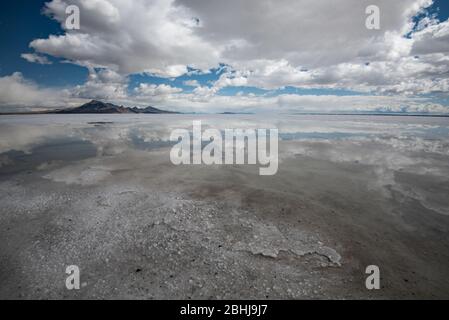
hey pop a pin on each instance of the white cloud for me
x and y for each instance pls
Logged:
(191, 83)
(205, 99)
(265, 43)
(145, 89)
(143, 36)
(35, 58)
(15, 91)
(432, 39)
(104, 84)
(406, 75)
(205, 92)
(165, 36)
(227, 80)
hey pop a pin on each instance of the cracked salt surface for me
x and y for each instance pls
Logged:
(268, 241)
(203, 246)
(258, 238)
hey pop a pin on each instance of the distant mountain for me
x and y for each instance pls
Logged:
(102, 107)
(150, 110)
(235, 113)
(95, 107)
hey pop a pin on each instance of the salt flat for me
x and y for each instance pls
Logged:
(100, 192)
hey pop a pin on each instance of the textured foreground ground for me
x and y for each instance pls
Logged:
(106, 198)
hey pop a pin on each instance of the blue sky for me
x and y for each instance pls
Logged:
(245, 73)
(21, 22)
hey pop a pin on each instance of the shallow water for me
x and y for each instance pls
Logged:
(388, 144)
(350, 191)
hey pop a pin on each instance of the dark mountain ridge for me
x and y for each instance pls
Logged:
(95, 106)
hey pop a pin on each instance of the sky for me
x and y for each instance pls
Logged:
(234, 55)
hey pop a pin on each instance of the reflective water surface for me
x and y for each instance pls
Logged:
(100, 190)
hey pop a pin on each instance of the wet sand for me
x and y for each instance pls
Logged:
(139, 227)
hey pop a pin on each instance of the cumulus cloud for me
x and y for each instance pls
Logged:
(432, 39)
(165, 36)
(270, 43)
(205, 99)
(145, 89)
(16, 91)
(143, 36)
(407, 75)
(35, 58)
(104, 84)
(191, 83)
(263, 43)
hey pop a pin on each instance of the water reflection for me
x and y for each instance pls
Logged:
(386, 145)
